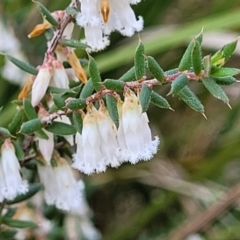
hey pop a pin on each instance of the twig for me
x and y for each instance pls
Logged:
(203, 219)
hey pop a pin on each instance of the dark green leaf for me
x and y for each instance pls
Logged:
(229, 49)
(197, 58)
(159, 101)
(60, 128)
(19, 151)
(10, 212)
(46, 14)
(139, 61)
(58, 101)
(4, 133)
(31, 126)
(225, 80)
(77, 121)
(49, 33)
(87, 89)
(115, 85)
(111, 103)
(7, 234)
(145, 97)
(41, 134)
(29, 109)
(94, 74)
(129, 75)
(186, 60)
(33, 189)
(178, 84)
(18, 223)
(171, 71)
(26, 67)
(77, 104)
(55, 90)
(155, 69)
(73, 43)
(191, 99)
(71, 11)
(16, 122)
(31, 165)
(225, 72)
(215, 89)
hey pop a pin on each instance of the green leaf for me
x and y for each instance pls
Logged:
(10, 212)
(111, 103)
(8, 234)
(207, 65)
(18, 223)
(139, 61)
(33, 189)
(55, 90)
(191, 99)
(229, 49)
(61, 129)
(129, 75)
(159, 101)
(197, 58)
(186, 60)
(225, 80)
(115, 85)
(26, 67)
(215, 89)
(77, 121)
(71, 11)
(155, 69)
(178, 84)
(87, 89)
(73, 43)
(225, 72)
(58, 101)
(16, 122)
(199, 37)
(46, 14)
(19, 151)
(4, 133)
(171, 71)
(77, 104)
(94, 74)
(31, 126)
(41, 134)
(49, 33)
(145, 97)
(29, 109)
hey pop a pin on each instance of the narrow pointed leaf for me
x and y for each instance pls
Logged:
(26, 67)
(4, 133)
(111, 103)
(129, 75)
(77, 121)
(186, 60)
(225, 80)
(71, 11)
(31, 126)
(73, 43)
(159, 101)
(215, 89)
(46, 14)
(155, 69)
(19, 151)
(178, 84)
(115, 85)
(61, 129)
(199, 37)
(18, 223)
(196, 58)
(41, 134)
(58, 101)
(229, 49)
(225, 72)
(171, 71)
(94, 74)
(191, 99)
(87, 89)
(139, 61)
(29, 109)
(16, 122)
(33, 189)
(77, 104)
(55, 90)
(145, 97)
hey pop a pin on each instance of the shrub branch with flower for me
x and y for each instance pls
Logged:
(105, 120)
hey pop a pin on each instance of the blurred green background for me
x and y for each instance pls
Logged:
(198, 159)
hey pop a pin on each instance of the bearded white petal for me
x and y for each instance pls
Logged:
(46, 146)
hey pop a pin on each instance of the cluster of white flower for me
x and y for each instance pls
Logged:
(11, 182)
(101, 144)
(101, 17)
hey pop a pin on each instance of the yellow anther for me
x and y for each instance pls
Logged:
(105, 9)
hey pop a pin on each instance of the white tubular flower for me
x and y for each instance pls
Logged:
(65, 119)
(61, 188)
(134, 134)
(59, 78)
(102, 17)
(108, 133)
(89, 158)
(11, 180)
(41, 83)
